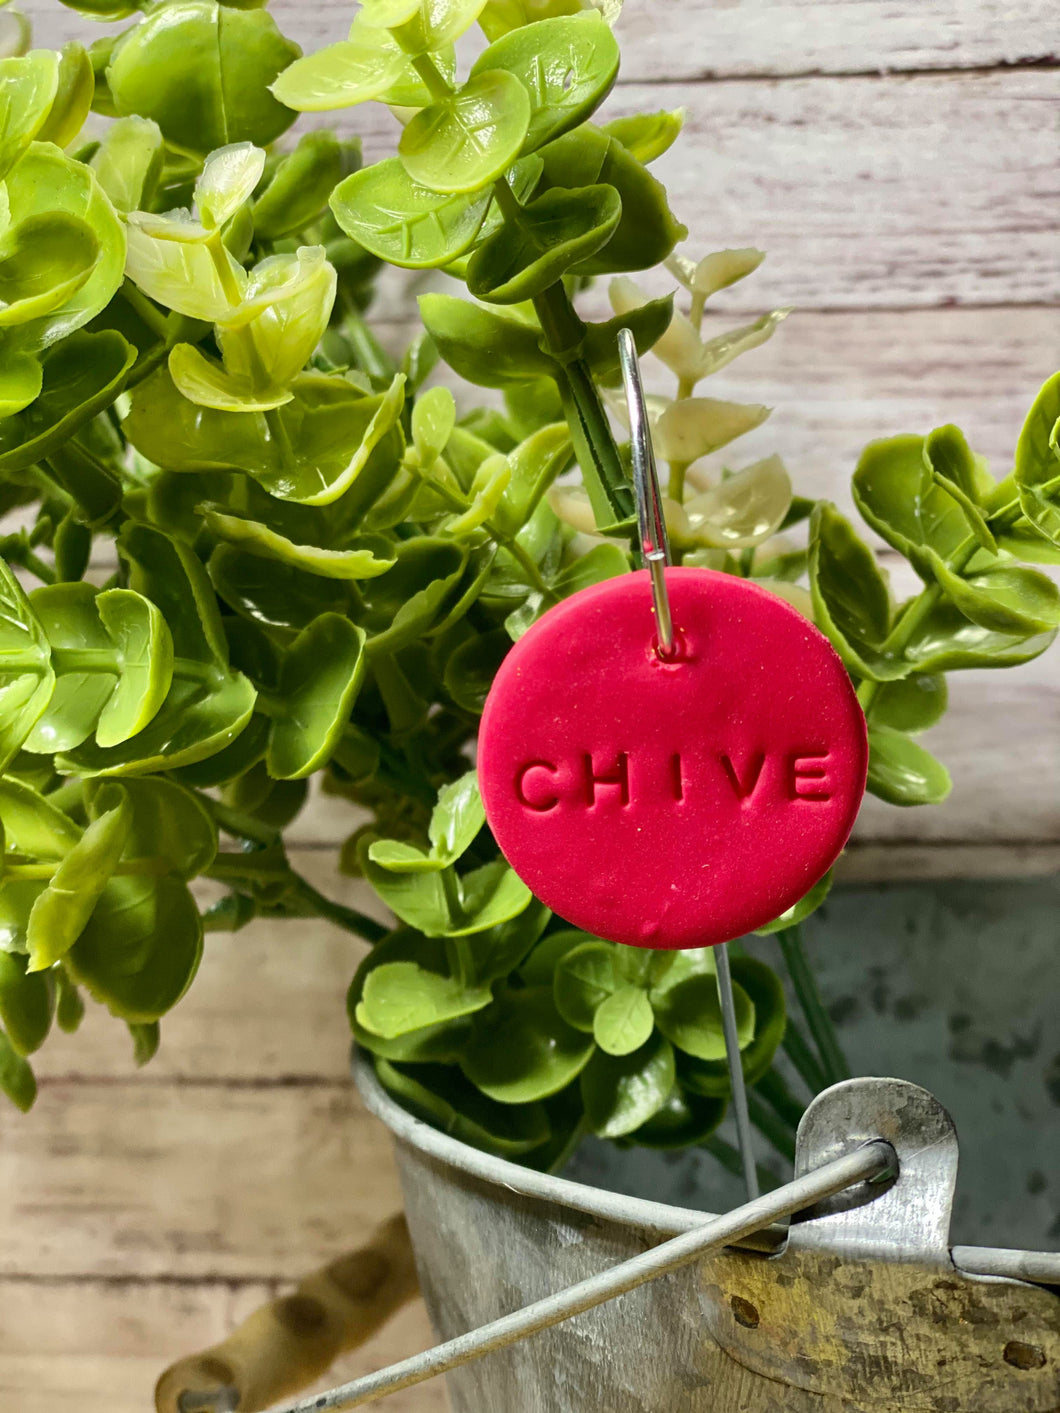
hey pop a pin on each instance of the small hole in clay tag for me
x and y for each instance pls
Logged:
(679, 802)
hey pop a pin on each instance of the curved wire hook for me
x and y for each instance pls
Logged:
(651, 522)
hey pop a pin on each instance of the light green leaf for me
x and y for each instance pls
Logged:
(284, 312)
(761, 983)
(144, 647)
(227, 181)
(400, 997)
(534, 464)
(433, 419)
(685, 1120)
(32, 826)
(70, 621)
(205, 382)
(168, 825)
(21, 379)
(182, 275)
(73, 97)
(851, 597)
(61, 913)
(523, 1049)
(44, 261)
(489, 895)
(809, 902)
(621, 1093)
(320, 676)
(1037, 466)
(1005, 599)
(344, 74)
(462, 142)
(946, 641)
(128, 163)
(567, 64)
(218, 62)
(301, 185)
(902, 772)
(28, 85)
(911, 705)
(647, 136)
(485, 492)
(895, 492)
(457, 818)
(623, 1021)
(46, 182)
(260, 540)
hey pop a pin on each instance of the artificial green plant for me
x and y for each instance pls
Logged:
(248, 545)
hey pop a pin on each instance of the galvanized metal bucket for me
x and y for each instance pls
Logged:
(862, 1307)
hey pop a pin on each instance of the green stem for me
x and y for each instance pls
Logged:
(802, 1057)
(349, 919)
(679, 469)
(771, 1126)
(729, 1158)
(21, 554)
(370, 354)
(146, 309)
(237, 824)
(835, 1062)
(774, 1090)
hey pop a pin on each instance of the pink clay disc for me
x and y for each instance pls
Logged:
(673, 803)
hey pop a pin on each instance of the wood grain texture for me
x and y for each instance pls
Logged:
(691, 39)
(98, 1346)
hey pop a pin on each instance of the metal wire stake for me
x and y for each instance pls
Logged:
(651, 522)
(655, 551)
(735, 1063)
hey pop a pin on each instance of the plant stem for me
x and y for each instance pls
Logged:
(147, 310)
(771, 1126)
(349, 919)
(729, 1158)
(238, 824)
(369, 352)
(678, 469)
(817, 1018)
(775, 1091)
(802, 1057)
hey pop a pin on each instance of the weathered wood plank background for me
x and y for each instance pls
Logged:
(897, 160)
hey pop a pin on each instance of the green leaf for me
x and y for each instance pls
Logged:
(259, 539)
(46, 183)
(1037, 465)
(523, 1049)
(567, 64)
(26, 1004)
(457, 818)
(26, 675)
(400, 997)
(688, 1012)
(284, 313)
(16, 1077)
(470, 670)
(424, 25)
(21, 378)
(441, 1096)
(647, 135)
(69, 1007)
(80, 377)
(320, 676)
(647, 323)
(227, 181)
(342, 75)
(1005, 599)
(761, 983)
(535, 463)
(201, 70)
(169, 825)
(70, 622)
(798, 912)
(146, 1040)
(489, 895)
(686, 1119)
(584, 978)
(902, 772)
(329, 434)
(851, 597)
(648, 231)
(128, 163)
(954, 468)
(623, 1092)
(43, 261)
(73, 98)
(28, 85)
(180, 273)
(484, 347)
(143, 644)
(946, 641)
(895, 492)
(433, 419)
(141, 947)
(539, 967)
(300, 187)
(404, 222)
(62, 911)
(408, 600)
(555, 232)
(623, 1021)
(498, 951)
(32, 826)
(911, 705)
(460, 143)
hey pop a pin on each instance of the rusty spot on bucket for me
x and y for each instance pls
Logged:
(1023, 1356)
(744, 1312)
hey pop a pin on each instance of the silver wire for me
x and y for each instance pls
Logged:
(651, 522)
(735, 1063)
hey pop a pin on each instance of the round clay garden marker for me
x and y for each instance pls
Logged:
(679, 802)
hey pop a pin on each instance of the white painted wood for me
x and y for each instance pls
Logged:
(98, 1346)
(690, 39)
